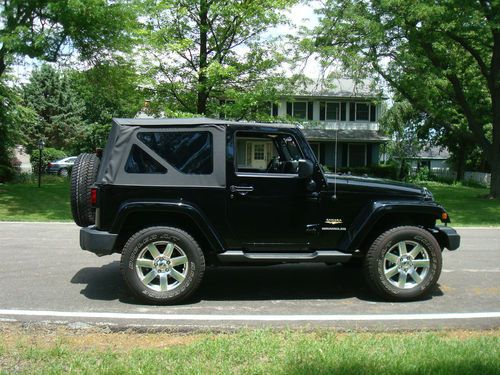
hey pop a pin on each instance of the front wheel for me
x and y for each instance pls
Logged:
(162, 265)
(403, 263)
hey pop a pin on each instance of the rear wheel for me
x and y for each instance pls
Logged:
(83, 176)
(403, 264)
(162, 265)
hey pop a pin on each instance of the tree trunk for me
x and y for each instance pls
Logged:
(494, 155)
(461, 164)
(495, 176)
(202, 89)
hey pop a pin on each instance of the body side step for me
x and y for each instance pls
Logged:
(329, 256)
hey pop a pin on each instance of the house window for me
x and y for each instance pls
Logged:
(362, 112)
(356, 155)
(332, 111)
(300, 110)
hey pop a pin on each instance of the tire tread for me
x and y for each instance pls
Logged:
(172, 230)
(371, 260)
(84, 174)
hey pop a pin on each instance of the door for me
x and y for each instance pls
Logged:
(259, 156)
(266, 203)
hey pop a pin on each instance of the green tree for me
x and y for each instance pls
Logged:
(58, 107)
(443, 57)
(44, 28)
(205, 49)
(12, 114)
(401, 122)
(109, 89)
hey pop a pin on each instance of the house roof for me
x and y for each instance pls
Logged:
(338, 88)
(370, 136)
(434, 152)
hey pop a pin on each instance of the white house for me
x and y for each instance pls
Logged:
(347, 113)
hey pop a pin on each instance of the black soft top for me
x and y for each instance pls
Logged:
(145, 122)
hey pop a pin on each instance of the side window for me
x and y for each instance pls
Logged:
(139, 161)
(188, 152)
(266, 153)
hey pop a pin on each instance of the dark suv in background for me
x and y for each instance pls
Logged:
(175, 195)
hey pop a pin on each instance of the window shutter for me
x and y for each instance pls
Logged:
(352, 111)
(289, 107)
(322, 109)
(372, 113)
(275, 109)
(342, 111)
(310, 110)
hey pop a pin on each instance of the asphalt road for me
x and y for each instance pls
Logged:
(46, 277)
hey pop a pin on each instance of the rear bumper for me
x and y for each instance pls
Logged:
(97, 241)
(449, 237)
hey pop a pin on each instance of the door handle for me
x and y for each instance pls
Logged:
(241, 190)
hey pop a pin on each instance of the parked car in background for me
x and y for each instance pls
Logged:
(61, 167)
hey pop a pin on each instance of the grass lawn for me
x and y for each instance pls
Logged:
(41, 351)
(466, 205)
(27, 202)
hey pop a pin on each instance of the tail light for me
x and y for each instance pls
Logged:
(93, 196)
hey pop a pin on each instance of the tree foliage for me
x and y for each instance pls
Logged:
(208, 49)
(401, 122)
(443, 57)
(58, 107)
(45, 28)
(108, 89)
(12, 115)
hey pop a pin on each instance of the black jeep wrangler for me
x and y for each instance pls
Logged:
(175, 195)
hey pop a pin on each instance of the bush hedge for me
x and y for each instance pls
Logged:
(389, 171)
(48, 154)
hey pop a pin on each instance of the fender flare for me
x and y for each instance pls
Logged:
(377, 210)
(169, 206)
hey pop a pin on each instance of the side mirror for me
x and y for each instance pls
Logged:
(306, 168)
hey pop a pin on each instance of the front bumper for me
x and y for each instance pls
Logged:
(448, 237)
(97, 241)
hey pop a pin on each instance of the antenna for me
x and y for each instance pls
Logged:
(335, 166)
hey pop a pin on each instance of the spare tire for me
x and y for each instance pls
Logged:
(83, 176)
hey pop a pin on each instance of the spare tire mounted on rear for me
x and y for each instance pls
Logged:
(83, 176)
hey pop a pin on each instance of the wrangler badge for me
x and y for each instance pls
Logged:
(333, 221)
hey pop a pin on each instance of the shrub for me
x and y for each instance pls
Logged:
(389, 171)
(48, 155)
(7, 173)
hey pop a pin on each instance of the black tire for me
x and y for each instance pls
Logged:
(139, 245)
(381, 258)
(83, 176)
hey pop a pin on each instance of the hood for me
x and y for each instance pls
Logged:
(377, 186)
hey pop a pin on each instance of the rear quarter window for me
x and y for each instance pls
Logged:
(188, 152)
